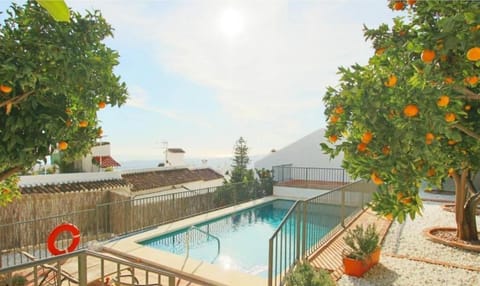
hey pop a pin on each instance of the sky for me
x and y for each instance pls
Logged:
(202, 73)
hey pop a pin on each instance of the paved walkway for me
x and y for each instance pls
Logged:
(329, 257)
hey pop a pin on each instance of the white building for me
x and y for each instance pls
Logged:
(175, 157)
(305, 152)
(98, 159)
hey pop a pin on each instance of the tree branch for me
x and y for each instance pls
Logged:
(471, 187)
(468, 94)
(466, 131)
(9, 172)
(16, 99)
(475, 200)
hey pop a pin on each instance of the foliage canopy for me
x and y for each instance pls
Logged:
(54, 77)
(411, 115)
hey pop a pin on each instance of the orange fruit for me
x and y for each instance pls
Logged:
(410, 110)
(429, 138)
(83, 123)
(451, 142)
(386, 150)
(362, 147)
(379, 51)
(101, 104)
(451, 171)
(448, 80)
(450, 117)
(376, 179)
(431, 172)
(392, 81)
(367, 137)
(467, 107)
(406, 201)
(443, 101)
(332, 138)
(334, 119)
(68, 122)
(5, 88)
(427, 56)
(339, 109)
(472, 80)
(411, 2)
(398, 5)
(473, 54)
(62, 145)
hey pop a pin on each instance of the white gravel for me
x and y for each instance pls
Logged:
(407, 239)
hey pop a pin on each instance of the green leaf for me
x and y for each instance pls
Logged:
(57, 8)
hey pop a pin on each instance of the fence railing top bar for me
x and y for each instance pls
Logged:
(295, 167)
(334, 190)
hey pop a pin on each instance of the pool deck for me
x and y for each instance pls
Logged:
(329, 256)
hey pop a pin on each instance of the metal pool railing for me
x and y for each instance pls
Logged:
(72, 269)
(187, 240)
(311, 223)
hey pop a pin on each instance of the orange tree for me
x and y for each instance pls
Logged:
(54, 76)
(411, 116)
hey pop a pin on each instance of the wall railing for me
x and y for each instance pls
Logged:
(288, 173)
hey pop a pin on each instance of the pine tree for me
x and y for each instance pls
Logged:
(240, 162)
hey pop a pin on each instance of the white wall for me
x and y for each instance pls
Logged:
(175, 159)
(305, 152)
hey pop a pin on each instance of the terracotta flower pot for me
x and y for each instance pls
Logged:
(355, 267)
(375, 257)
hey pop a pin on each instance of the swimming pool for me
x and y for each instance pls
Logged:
(238, 241)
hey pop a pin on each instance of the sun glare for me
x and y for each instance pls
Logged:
(231, 22)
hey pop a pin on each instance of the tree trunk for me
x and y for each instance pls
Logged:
(465, 208)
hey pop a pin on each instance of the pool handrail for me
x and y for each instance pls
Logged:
(187, 242)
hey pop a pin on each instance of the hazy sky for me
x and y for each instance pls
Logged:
(202, 73)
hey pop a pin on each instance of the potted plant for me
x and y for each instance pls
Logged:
(363, 252)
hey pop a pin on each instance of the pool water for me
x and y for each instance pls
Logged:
(236, 241)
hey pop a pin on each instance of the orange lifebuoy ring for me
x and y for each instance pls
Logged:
(74, 231)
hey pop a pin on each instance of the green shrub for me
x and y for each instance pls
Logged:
(362, 242)
(305, 275)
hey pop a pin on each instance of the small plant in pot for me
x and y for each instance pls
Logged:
(363, 252)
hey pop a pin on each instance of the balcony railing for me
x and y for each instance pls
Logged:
(72, 269)
(285, 174)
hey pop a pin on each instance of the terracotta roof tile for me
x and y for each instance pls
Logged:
(163, 178)
(74, 187)
(106, 161)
